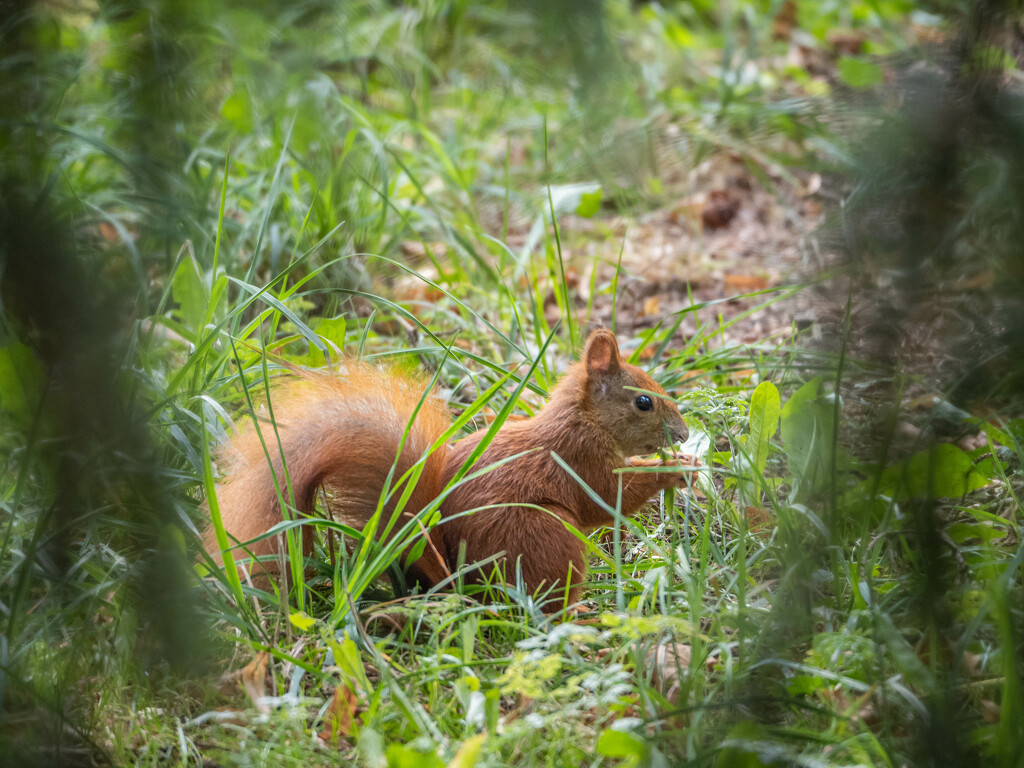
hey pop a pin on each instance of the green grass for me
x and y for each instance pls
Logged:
(214, 193)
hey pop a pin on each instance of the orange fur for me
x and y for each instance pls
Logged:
(342, 432)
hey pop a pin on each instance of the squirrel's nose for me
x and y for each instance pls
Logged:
(678, 431)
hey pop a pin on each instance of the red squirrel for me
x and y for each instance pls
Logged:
(342, 432)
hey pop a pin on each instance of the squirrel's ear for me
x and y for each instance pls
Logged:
(601, 355)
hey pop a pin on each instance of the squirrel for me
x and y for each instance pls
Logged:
(343, 432)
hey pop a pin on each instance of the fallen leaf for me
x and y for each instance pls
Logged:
(972, 663)
(720, 209)
(687, 213)
(746, 283)
(254, 681)
(757, 517)
(108, 231)
(785, 21)
(339, 715)
(552, 312)
(929, 33)
(652, 306)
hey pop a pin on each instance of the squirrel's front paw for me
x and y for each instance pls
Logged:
(679, 460)
(682, 462)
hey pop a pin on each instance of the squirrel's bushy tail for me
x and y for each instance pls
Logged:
(341, 432)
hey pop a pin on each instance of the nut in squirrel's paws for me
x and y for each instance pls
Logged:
(678, 460)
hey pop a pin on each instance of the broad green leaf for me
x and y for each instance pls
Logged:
(237, 110)
(469, 752)
(590, 203)
(805, 685)
(765, 409)
(942, 472)
(807, 420)
(189, 290)
(348, 660)
(21, 382)
(402, 756)
(622, 745)
(859, 73)
(332, 330)
(301, 620)
(680, 35)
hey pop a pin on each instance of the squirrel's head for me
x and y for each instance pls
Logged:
(627, 402)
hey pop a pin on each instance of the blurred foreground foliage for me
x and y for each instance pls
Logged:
(189, 190)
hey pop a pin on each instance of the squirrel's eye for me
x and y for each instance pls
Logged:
(644, 403)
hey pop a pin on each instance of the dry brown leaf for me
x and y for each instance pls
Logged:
(652, 306)
(572, 276)
(552, 312)
(972, 663)
(757, 517)
(929, 33)
(846, 41)
(254, 680)
(108, 232)
(991, 712)
(688, 213)
(340, 713)
(785, 21)
(721, 208)
(746, 283)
